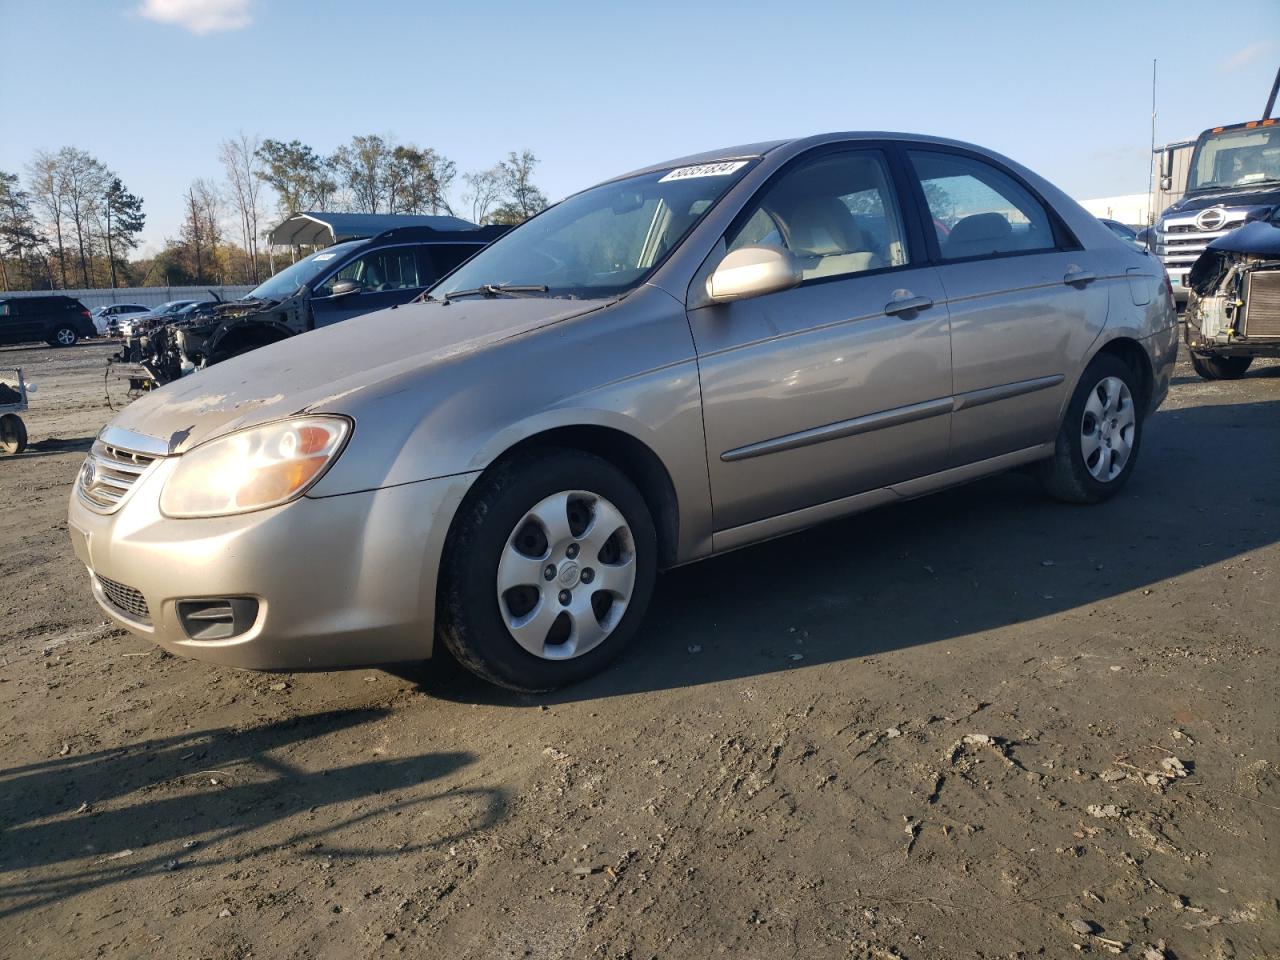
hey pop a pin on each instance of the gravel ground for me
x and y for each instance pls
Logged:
(977, 725)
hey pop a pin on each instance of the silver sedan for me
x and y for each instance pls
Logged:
(690, 358)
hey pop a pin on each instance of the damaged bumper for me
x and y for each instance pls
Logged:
(318, 583)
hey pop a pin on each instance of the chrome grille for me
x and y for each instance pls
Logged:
(109, 473)
(1262, 304)
(125, 599)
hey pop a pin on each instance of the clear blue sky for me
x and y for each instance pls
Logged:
(595, 89)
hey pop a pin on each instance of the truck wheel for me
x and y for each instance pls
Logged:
(1220, 368)
(64, 336)
(548, 570)
(1098, 441)
(13, 434)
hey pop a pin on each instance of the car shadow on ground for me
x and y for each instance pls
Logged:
(948, 567)
(52, 446)
(218, 785)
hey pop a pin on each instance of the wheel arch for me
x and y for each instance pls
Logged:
(1133, 355)
(629, 454)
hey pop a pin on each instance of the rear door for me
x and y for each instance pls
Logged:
(9, 322)
(384, 277)
(1021, 295)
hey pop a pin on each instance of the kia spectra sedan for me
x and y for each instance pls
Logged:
(681, 361)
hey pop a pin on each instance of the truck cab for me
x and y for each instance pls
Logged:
(1233, 178)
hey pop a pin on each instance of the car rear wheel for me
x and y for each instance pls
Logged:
(64, 336)
(1220, 368)
(548, 570)
(1098, 442)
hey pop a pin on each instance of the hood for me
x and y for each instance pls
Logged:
(1268, 196)
(1260, 239)
(317, 371)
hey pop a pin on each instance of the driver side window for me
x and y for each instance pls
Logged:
(837, 213)
(392, 268)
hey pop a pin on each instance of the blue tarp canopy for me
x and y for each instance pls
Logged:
(314, 229)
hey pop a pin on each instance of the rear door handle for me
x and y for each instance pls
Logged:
(1076, 275)
(904, 301)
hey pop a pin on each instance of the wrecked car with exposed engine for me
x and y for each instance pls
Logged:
(335, 283)
(1233, 314)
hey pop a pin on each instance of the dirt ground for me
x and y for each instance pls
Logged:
(925, 732)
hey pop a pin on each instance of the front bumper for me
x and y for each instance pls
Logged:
(339, 581)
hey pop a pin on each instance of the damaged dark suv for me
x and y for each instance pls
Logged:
(1233, 313)
(334, 284)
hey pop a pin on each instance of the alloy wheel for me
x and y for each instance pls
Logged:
(566, 575)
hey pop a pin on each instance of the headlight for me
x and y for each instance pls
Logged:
(253, 469)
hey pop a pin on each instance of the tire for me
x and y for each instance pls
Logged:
(1086, 466)
(496, 535)
(13, 434)
(64, 335)
(1220, 368)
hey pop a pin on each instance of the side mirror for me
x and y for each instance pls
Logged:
(752, 272)
(1166, 165)
(343, 288)
(1166, 184)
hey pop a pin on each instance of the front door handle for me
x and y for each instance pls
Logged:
(1075, 275)
(904, 301)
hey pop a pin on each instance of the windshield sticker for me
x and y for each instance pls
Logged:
(324, 256)
(705, 170)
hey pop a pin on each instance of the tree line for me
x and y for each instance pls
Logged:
(71, 222)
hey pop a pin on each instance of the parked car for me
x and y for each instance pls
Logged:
(58, 320)
(107, 319)
(1124, 232)
(337, 283)
(682, 361)
(1233, 309)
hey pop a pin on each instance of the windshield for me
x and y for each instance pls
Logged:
(1239, 158)
(287, 281)
(601, 242)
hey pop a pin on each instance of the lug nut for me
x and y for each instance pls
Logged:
(588, 575)
(565, 597)
(550, 571)
(572, 551)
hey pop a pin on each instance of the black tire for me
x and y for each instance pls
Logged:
(1220, 368)
(13, 434)
(468, 618)
(64, 335)
(1065, 476)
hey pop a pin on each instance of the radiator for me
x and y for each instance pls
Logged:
(1262, 304)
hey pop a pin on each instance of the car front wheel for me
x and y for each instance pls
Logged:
(548, 570)
(1098, 442)
(1220, 368)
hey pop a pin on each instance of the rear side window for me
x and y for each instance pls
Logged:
(4, 309)
(441, 258)
(978, 210)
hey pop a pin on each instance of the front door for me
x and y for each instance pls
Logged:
(1022, 296)
(383, 278)
(839, 385)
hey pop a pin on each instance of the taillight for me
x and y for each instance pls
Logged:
(86, 314)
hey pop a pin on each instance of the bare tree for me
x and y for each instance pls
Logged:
(47, 188)
(484, 188)
(84, 184)
(245, 173)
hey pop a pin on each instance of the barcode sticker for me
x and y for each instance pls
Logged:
(722, 169)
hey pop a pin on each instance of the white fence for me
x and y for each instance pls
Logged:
(147, 296)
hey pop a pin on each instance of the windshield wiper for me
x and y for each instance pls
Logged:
(497, 289)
